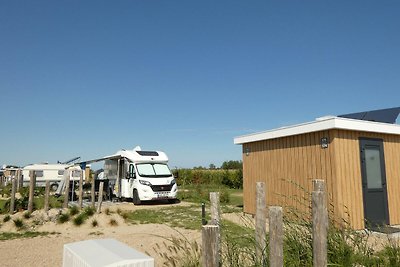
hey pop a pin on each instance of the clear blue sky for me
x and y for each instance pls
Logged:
(87, 78)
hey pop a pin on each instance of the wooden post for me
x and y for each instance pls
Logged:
(275, 237)
(320, 224)
(12, 200)
(210, 245)
(32, 184)
(80, 197)
(46, 196)
(18, 177)
(215, 208)
(261, 219)
(92, 193)
(100, 200)
(66, 192)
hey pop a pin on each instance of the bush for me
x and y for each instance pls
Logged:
(63, 218)
(18, 223)
(89, 211)
(79, 220)
(27, 215)
(229, 178)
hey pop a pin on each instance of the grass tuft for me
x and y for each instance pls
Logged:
(113, 222)
(64, 217)
(95, 223)
(79, 220)
(6, 218)
(73, 210)
(18, 223)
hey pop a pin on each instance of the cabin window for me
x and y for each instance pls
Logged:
(76, 173)
(39, 173)
(131, 171)
(60, 172)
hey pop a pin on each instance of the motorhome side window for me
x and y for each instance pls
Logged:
(60, 172)
(131, 171)
(39, 173)
(76, 173)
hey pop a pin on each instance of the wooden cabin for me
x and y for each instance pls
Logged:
(358, 159)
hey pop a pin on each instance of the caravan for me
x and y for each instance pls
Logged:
(55, 173)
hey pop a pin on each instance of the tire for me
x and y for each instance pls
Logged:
(172, 201)
(135, 198)
(53, 187)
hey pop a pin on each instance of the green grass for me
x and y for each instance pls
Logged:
(28, 234)
(188, 217)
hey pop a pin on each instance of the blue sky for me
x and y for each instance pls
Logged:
(87, 78)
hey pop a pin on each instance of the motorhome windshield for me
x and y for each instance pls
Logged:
(153, 170)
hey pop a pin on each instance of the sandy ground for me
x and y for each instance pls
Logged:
(146, 238)
(48, 250)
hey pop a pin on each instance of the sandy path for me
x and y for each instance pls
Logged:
(48, 250)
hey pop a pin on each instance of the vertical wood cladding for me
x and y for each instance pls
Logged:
(288, 165)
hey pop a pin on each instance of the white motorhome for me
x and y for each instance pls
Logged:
(140, 175)
(51, 172)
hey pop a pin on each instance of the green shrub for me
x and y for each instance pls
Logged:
(89, 211)
(27, 215)
(79, 220)
(18, 223)
(64, 217)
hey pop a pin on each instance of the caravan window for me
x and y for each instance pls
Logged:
(76, 173)
(39, 173)
(153, 170)
(60, 172)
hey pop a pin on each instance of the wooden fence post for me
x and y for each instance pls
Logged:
(210, 245)
(80, 199)
(320, 224)
(12, 200)
(46, 196)
(66, 192)
(275, 237)
(100, 200)
(18, 177)
(261, 219)
(32, 184)
(92, 193)
(215, 208)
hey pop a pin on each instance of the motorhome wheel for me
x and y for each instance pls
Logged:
(135, 198)
(53, 187)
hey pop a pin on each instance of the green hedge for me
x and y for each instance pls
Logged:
(229, 178)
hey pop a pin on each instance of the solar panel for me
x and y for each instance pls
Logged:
(388, 115)
(147, 153)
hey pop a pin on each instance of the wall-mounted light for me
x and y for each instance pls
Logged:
(324, 142)
(247, 151)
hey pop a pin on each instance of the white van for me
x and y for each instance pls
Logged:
(140, 175)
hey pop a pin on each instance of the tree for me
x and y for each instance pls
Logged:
(232, 165)
(212, 166)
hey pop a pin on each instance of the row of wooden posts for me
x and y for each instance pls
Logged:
(32, 186)
(211, 232)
